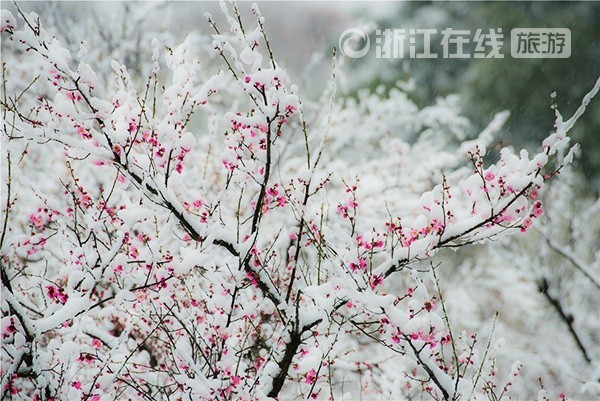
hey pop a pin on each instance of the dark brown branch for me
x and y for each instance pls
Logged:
(290, 351)
(298, 246)
(263, 187)
(486, 221)
(427, 368)
(543, 287)
(27, 356)
(446, 242)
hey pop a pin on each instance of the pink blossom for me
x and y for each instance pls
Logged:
(73, 96)
(534, 193)
(236, 380)
(10, 329)
(311, 376)
(391, 227)
(86, 358)
(37, 220)
(375, 280)
(56, 294)
(132, 126)
(537, 210)
(436, 225)
(526, 224)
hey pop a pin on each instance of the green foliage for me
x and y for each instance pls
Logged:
(522, 86)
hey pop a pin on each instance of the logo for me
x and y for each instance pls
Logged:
(354, 43)
(449, 43)
(540, 43)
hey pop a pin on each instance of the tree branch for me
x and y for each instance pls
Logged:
(567, 318)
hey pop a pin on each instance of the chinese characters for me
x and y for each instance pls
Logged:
(463, 43)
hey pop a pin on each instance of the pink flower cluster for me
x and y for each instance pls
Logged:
(273, 198)
(57, 295)
(536, 212)
(42, 217)
(348, 210)
(35, 244)
(10, 386)
(409, 236)
(9, 329)
(73, 96)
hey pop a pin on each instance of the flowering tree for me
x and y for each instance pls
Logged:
(189, 235)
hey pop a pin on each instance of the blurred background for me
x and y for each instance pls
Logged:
(303, 35)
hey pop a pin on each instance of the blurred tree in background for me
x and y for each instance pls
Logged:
(487, 86)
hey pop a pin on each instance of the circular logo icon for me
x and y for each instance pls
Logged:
(354, 43)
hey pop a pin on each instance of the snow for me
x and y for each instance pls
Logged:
(7, 20)
(73, 307)
(252, 58)
(185, 269)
